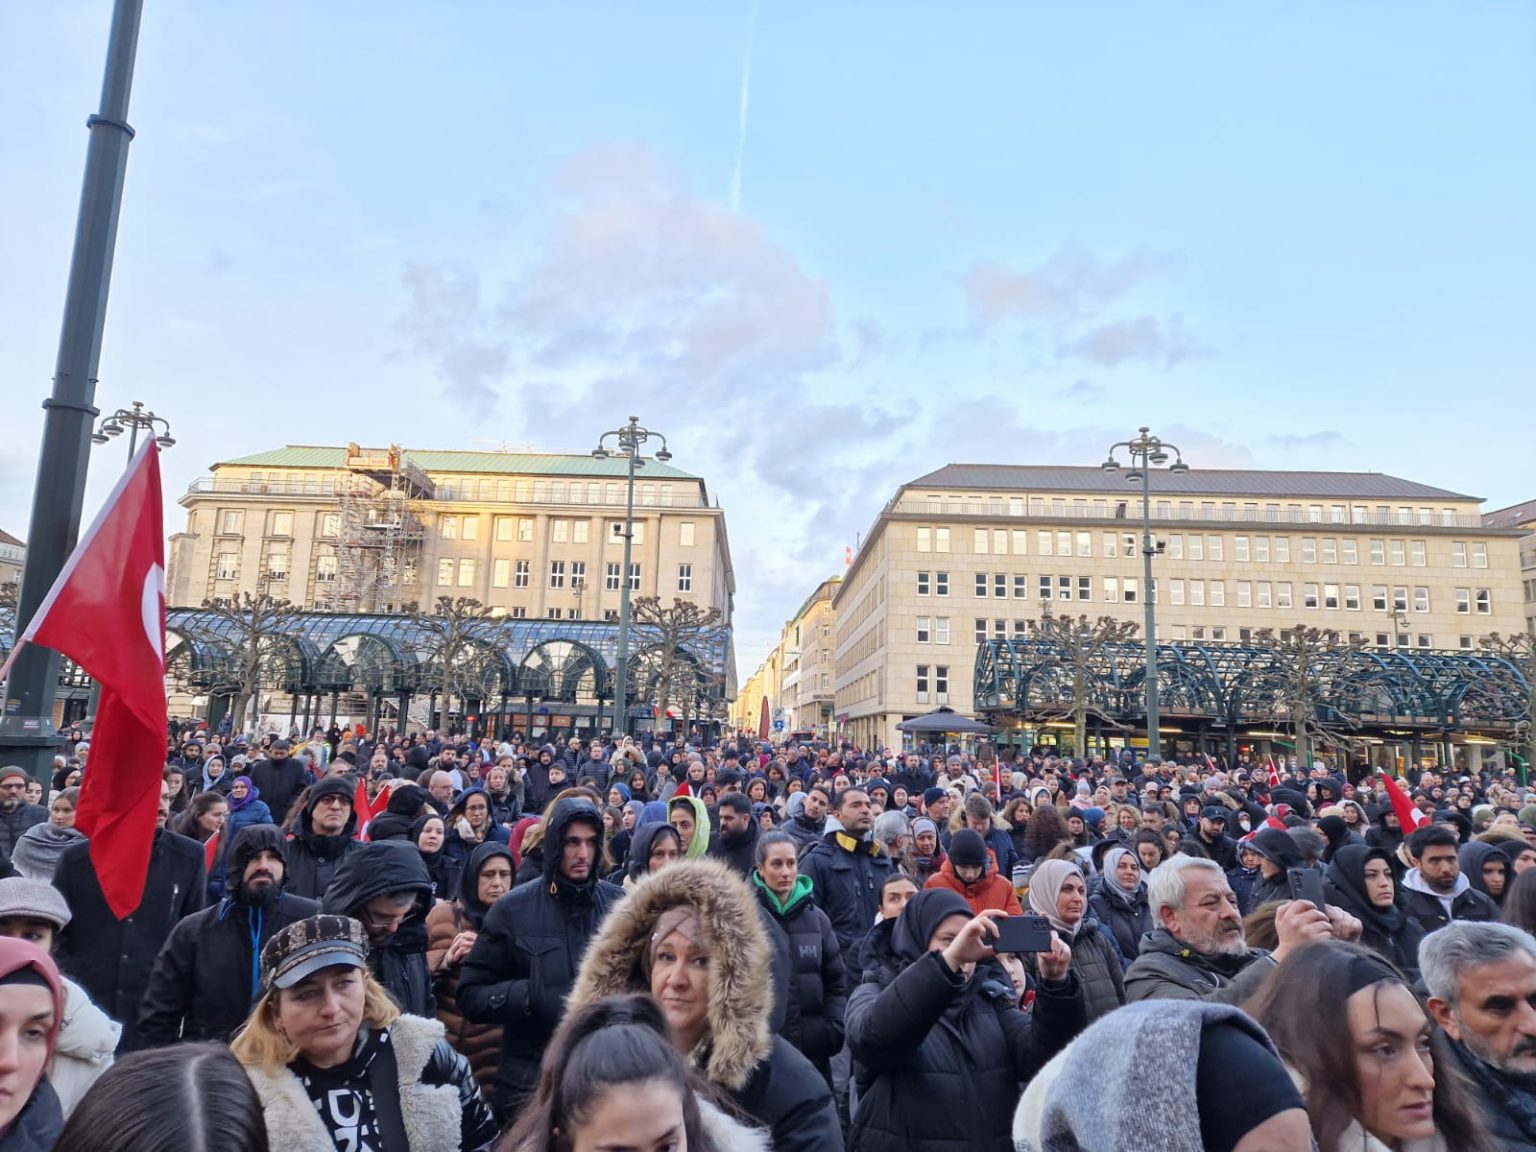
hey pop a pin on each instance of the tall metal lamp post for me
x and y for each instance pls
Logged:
(1147, 452)
(627, 442)
(133, 420)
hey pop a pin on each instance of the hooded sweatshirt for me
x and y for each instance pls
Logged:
(700, 845)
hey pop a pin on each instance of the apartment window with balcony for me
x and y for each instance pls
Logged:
(685, 577)
(1262, 593)
(981, 585)
(1283, 594)
(1309, 550)
(522, 572)
(1020, 586)
(501, 573)
(326, 569)
(1176, 592)
(924, 630)
(924, 581)
(940, 630)
(448, 527)
(1000, 585)
(1479, 555)
(1352, 597)
(281, 524)
(467, 572)
(634, 577)
(228, 566)
(922, 683)
(524, 530)
(231, 522)
(1244, 594)
(1484, 601)
(1349, 552)
(941, 583)
(445, 573)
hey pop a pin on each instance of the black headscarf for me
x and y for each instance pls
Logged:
(921, 918)
(469, 884)
(439, 866)
(1345, 882)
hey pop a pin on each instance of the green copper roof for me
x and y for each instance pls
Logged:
(432, 460)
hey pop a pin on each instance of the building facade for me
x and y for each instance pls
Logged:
(13, 557)
(973, 552)
(796, 678)
(1522, 517)
(531, 536)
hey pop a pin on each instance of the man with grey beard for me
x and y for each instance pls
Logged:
(1197, 951)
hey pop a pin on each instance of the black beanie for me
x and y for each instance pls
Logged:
(966, 847)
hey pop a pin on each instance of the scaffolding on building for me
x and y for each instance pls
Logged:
(378, 539)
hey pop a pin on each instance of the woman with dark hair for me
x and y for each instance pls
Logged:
(1520, 904)
(610, 1078)
(1360, 880)
(192, 1097)
(469, 824)
(1150, 849)
(1369, 1081)
(429, 834)
(811, 979)
(1016, 814)
(452, 927)
(204, 817)
(1045, 829)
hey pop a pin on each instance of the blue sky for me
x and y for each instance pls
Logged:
(1284, 235)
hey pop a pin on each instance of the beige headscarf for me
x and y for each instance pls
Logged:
(1045, 886)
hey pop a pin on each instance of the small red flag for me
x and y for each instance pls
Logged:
(106, 612)
(211, 850)
(361, 809)
(1408, 817)
(1274, 773)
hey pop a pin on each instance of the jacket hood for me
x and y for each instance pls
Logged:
(1414, 881)
(799, 895)
(1473, 857)
(87, 1033)
(407, 799)
(654, 812)
(1277, 847)
(251, 841)
(372, 869)
(571, 810)
(330, 786)
(458, 805)
(740, 970)
(641, 841)
(469, 884)
(700, 843)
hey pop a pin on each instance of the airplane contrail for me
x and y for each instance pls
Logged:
(745, 102)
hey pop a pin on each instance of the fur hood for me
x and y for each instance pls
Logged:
(740, 971)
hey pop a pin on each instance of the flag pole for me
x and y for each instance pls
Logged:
(28, 732)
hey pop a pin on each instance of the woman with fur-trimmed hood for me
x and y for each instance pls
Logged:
(690, 935)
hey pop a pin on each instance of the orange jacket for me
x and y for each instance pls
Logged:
(991, 891)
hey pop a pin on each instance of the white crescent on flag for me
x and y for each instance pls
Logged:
(151, 606)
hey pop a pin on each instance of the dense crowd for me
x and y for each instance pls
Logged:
(376, 942)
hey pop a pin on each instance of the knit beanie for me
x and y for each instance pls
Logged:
(967, 847)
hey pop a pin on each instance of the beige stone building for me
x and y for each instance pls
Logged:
(974, 551)
(13, 557)
(1522, 517)
(348, 529)
(797, 676)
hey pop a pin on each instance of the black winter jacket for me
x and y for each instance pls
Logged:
(111, 958)
(313, 859)
(939, 1059)
(207, 976)
(847, 875)
(1167, 970)
(279, 782)
(13, 824)
(399, 963)
(1426, 909)
(1097, 968)
(805, 833)
(812, 980)
(739, 851)
(1128, 918)
(525, 958)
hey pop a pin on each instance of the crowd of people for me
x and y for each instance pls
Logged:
(380, 942)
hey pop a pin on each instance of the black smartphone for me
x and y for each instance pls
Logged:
(1022, 934)
(1307, 884)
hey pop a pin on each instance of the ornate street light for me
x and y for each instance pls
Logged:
(1147, 452)
(627, 442)
(132, 420)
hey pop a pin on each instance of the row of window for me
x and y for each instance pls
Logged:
(1180, 546)
(519, 529)
(1227, 510)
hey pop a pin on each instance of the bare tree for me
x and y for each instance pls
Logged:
(1082, 650)
(1299, 686)
(452, 643)
(256, 632)
(1519, 649)
(9, 592)
(673, 633)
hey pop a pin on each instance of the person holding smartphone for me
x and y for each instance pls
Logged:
(936, 1019)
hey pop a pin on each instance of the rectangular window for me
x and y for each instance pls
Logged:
(1416, 553)
(1309, 550)
(941, 539)
(1128, 589)
(524, 530)
(229, 566)
(1378, 552)
(1085, 544)
(1045, 544)
(611, 577)
(503, 527)
(501, 573)
(1352, 597)
(1464, 601)
(1111, 590)
(557, 573)
(941, 583)
(1282, 549)
(981, 585)
(924, 630)
(981, 631)
(1045, 588)
(1458, 553)
(448, 527)
(1379, 597)
(522, 573)
(940, 630)
(1213, 547)
(1000, 585)
(232, 522)
(1176, 546)
(470, 528)
(445, 573)
(1110, 547)
(941, 683)
(1063, 543)
(518, 613)
(1484, 602)
(1331, 596)
(1309, 595)
(1240, 548)
(922, 683)
(1197, 593)
(326, 568)
(1244, 594)
(559, 531)
(1020, 586)
(1479, 555)
(1283, 594)
(1421, 599)
(1261, 549)
(1176, 592)
(685, 577)
(1262, 593)
(685, 534)
(1020, 542)
(330, 525)
(634, 577)
(1063, 587)
(1197, 547)
(1399, 599)
(1349, 552)
(282, 524)
(981, 537)
(467, 572)
(1330, 550)
(924, 580)
(1398, 553)
(1218, 593)
(1085, 587)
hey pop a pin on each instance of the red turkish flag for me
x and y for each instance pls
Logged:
(106, 612)
(1274, 774)
(1408, 816)
(361, 809)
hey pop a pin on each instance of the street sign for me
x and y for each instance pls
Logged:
(778, 725)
